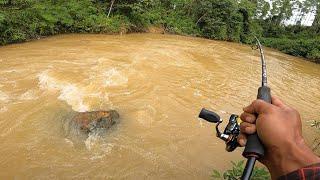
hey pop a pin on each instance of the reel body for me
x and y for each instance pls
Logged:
(231, 131)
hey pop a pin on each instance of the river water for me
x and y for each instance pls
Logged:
(158, 84)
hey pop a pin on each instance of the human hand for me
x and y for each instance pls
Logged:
(280, 130)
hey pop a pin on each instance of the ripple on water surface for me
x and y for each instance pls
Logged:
(158, 83)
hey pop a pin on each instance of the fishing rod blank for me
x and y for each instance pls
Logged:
(254, 148)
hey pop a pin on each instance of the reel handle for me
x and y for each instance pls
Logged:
(254, 146)
(209, 116)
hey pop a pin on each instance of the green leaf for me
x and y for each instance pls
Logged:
(216, 174)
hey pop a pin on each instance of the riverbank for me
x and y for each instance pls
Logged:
(307, 49)
(302, 47)
(28, 20)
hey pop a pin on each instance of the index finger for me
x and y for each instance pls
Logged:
(257, 106)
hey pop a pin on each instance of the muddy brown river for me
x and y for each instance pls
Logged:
(157, 83)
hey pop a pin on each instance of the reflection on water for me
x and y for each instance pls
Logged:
(158, 84)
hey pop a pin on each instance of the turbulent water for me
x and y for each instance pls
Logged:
(158, 84)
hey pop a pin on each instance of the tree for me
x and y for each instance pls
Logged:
(316, 22)
(282, 10)
(218, 19)
(263, 8)
(112, 1)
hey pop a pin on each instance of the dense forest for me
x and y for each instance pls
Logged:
(229, 20)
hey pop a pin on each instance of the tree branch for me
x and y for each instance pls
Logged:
(112, 1)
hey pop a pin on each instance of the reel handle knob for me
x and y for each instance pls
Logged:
(209, 116)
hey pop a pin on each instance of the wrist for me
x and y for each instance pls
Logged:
(291, 157)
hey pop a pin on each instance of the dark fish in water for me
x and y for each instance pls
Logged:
(79, 125)
(90, 121)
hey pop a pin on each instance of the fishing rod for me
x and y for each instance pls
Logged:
(254, 148)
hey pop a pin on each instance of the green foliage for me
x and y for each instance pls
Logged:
(316, 124)
(316, 141)
(22, 20)
(236, 171)
(179, 24)
(309, 48)
(218, 19)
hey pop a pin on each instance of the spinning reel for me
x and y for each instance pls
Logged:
(230, 133)
(254, 149)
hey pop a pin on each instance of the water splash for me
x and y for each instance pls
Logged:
(4, 97)
(97, 146)
(3, 109)
(74, 97)
(69, 93)
(197, 93)
(113, 77)
(92, 141)
(28, 95)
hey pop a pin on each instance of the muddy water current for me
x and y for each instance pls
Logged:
(157, 83)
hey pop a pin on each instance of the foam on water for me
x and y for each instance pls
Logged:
(3, 109)
(28, 95)
(10, 71)
(69, 142)
(69, 92)
(99, 148)
(115, 78)
(73, 96)
(4, 97)
(197, 93)
(92, 141)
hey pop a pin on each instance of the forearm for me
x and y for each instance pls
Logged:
(294, 156)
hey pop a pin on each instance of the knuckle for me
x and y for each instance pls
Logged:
(251, 118)
(271, 109)
(252, 129)
(242, 127)
(242, 116)
(293, 111)
(247, 117)
(255, 102)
